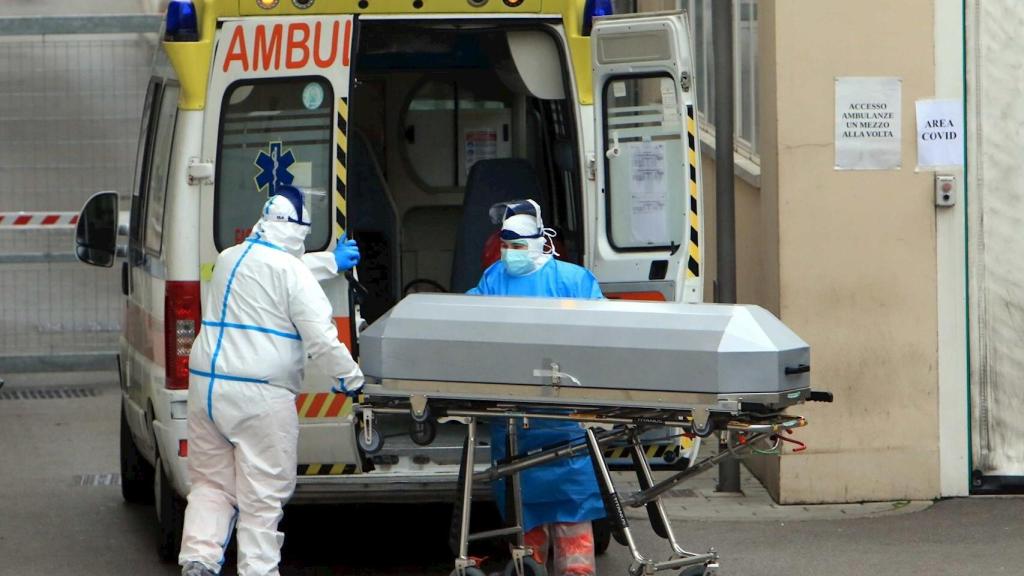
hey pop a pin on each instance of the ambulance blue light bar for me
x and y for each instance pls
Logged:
(592, 9)
(182, 24)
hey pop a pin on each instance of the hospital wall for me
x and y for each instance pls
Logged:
(845, 258)
(856, 252)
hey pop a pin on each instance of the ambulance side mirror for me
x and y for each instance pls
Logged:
(96, 233)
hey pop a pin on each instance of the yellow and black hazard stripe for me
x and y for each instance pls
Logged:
(327, 469)
(653, 451)
(341, 168)
(693, 261)
(323, 405)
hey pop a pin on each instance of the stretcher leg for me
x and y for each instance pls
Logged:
(514, 512)
(464, 565)
(655, 511)
(513, 487)
(659, 522)
(612, 504)
(696, 564)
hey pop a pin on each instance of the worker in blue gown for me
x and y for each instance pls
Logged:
(559, 499)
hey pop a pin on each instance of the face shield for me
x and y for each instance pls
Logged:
(522, 220)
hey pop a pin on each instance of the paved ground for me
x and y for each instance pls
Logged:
(61, 513)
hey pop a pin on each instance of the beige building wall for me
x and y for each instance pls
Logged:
(857, 270)
(845, 258)
(752, 249)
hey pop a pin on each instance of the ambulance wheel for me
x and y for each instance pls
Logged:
(423, 433)
(136, 473)
(375, 444)
(170, 516)
(471, 571)
(530, 568)
(602, 536)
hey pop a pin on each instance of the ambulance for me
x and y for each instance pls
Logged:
(406, 121)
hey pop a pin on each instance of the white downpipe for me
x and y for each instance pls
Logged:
(951, 246)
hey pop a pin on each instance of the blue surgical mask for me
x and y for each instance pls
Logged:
(518, 262)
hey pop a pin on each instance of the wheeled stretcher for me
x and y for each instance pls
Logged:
(620, 369)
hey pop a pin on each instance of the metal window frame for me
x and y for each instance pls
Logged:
(747, 105)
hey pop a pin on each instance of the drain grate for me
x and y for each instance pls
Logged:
(47, 393)
(96, 479)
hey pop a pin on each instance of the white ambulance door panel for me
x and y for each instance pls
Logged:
(277, 113)
(648, 229)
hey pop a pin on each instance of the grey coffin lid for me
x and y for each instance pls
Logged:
(665, 347)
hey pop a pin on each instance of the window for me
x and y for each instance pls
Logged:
(273, 132)
(140, 183)
(644, 156)
(159, 164)
(745, 69)
(449, 126)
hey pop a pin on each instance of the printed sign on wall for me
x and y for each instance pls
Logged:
(868, 116)
(940, 133)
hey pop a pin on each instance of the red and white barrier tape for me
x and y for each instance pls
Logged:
(38, 220)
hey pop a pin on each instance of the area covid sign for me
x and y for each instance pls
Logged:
(282, 46)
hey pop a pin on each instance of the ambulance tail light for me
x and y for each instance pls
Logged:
(181, 325)
(593, 9)
(182, 24)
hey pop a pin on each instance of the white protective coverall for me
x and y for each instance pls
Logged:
(263, 314)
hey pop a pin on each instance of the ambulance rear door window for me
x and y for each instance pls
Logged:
(646, 172)
(273, 132)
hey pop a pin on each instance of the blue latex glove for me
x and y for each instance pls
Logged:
(341, 389)
(346, 254)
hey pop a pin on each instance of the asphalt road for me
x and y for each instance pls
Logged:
(61, 513)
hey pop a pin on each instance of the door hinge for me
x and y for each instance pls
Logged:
(199, 172)
(684, 81)
(591, 167)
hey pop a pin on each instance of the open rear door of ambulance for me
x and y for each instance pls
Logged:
(277, 113)
(647, 165)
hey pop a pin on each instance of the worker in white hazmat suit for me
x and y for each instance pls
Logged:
(264, 313)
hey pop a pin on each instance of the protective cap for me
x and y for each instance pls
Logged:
(520, 219)
(286, 205)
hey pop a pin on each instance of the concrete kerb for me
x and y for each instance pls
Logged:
(696, 500)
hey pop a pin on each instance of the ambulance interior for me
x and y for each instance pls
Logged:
(445, 121)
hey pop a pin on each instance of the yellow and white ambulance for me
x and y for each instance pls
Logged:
(406, 120)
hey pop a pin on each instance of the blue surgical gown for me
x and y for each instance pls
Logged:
(555, 279)
(564, 490)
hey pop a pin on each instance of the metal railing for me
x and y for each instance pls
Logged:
(71, 93)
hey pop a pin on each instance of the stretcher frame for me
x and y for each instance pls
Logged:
(740, 431)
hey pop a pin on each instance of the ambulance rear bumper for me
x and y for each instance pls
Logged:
(376, 487)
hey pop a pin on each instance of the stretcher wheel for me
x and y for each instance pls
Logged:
(423, 433)
(530, 568)
(471, 571)
(375, 444)
(705, 431)
(423, 417)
